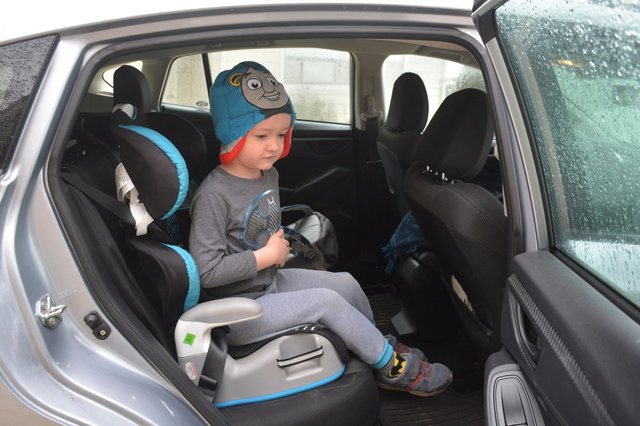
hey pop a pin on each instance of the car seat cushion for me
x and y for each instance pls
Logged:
(157, 168)
(186, 137)
(193, 291)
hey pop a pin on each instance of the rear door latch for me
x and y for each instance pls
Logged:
(49, 313)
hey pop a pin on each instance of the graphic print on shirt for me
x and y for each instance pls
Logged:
(261, 220)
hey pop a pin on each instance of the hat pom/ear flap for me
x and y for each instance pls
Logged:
(227, 157)
(287, 142)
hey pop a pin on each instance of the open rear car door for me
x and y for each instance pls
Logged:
(570, 89)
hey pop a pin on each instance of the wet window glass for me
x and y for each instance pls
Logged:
(20, 66)
(576, 63)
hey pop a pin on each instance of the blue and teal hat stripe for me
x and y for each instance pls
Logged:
(242, 97)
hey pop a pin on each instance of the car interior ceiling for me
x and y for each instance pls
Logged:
(412, 301)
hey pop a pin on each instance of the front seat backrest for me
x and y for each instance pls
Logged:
(464, 223)
(408, 112)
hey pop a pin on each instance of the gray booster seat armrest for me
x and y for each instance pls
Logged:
(218, 313)
(193, 330)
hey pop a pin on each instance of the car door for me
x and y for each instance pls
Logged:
(567, 98)
(321, 169)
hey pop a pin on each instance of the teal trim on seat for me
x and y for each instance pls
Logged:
(174, 155)
(283, 393)
(193, 293)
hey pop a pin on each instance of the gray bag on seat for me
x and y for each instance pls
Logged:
(312, 238)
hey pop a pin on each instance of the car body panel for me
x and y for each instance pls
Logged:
(23, 22)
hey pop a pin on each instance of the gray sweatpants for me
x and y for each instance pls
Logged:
(304, 296)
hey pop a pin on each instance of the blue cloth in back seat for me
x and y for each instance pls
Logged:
(405, 241)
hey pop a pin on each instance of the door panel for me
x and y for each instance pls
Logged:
(580, 353)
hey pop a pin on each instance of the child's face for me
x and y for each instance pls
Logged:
(263, 145)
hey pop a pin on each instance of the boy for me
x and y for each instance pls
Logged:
(239, 246)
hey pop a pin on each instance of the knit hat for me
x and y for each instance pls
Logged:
(242, 97)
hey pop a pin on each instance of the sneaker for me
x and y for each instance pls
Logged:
(401, 348)
(407, 373)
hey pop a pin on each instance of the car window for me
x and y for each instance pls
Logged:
(20, 66)
(186, 83)
(577, 66)
(317, 80)
(440, 77)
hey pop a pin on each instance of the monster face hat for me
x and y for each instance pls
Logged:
(243, 97)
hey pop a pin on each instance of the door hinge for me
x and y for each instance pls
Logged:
(49, 313)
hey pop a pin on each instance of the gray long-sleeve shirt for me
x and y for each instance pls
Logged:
(230, 217)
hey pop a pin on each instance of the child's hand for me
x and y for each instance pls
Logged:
(280, 248)
(275, 252)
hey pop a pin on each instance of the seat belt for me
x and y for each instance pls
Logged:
(127, 191)
(111, 204)
(371, 117)
(121, 211)
(300, 245)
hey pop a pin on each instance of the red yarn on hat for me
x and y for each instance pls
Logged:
(228, 157)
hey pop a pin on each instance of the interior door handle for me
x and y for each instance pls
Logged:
(526, 333)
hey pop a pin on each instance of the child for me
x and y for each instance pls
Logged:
(239, 246)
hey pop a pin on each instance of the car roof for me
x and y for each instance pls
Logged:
(20, 21)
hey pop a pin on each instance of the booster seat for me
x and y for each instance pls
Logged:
(300, 359)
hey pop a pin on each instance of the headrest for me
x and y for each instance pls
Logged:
(458, 138)
(409, 107)
(155, 166)
(185, 136)
(131, 87)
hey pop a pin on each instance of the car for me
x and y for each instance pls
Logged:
(478, 162)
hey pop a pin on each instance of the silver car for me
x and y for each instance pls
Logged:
(479, 164)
